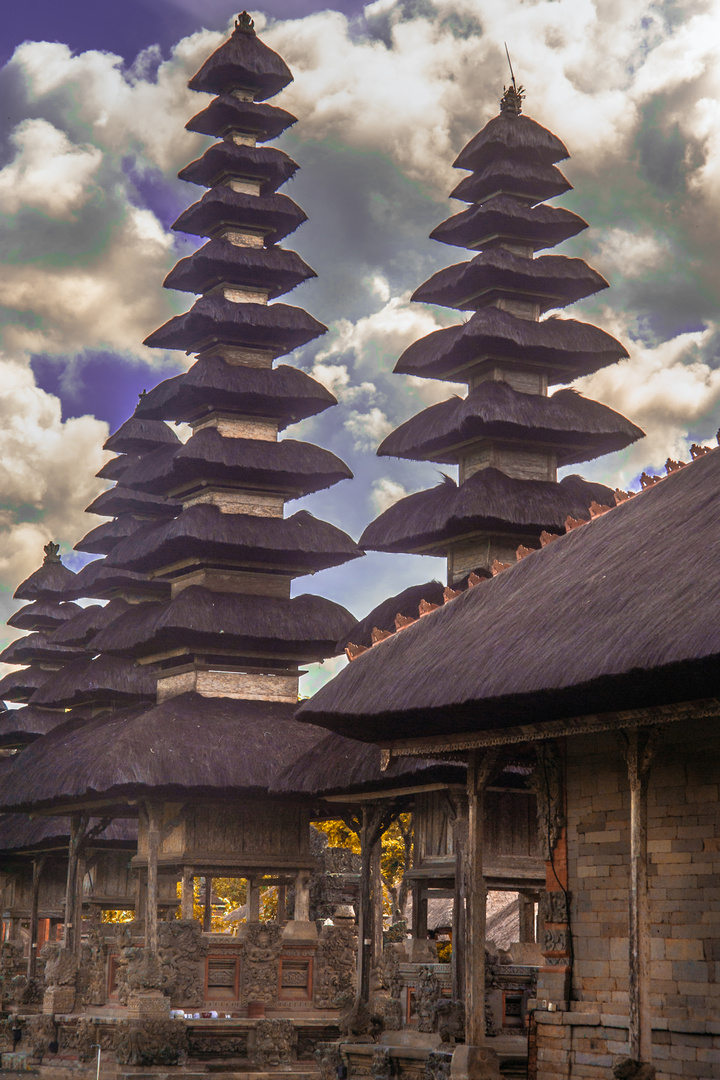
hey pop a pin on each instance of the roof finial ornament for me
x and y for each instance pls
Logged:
(513, 96)
(244, 24)
(52, 552)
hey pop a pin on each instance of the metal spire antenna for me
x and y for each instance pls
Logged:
(512, 98)
(512, 73)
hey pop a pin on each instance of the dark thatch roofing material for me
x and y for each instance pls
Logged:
(37, 646)
(383, 616)
(123, 500)
(564, 348)
(45, 615)
(212, 320)
(101, 581)
(489, 501)
(504, 218)
(236, 746)
(285, 393)
(21, 726)
(273, 269)
(266, 164)
(21, 684)
(551, 280)
(607, 618)
(242, 62)
(48, 582)
(82, 629)
(138, 436)
(227, 113)
(115, 467)
(203, 620)
(275, 216)
(102, 680)
(297, 543)
(103, 538)
(509, 135)
(20, 833)
(298, 468)
(510, 176)
(578, 428)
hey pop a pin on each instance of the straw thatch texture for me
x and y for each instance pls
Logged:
(283, 392)
(297, 543)
(82, 629)
(487, 224)
(621, 613)
(511, 176)
(101, 581)
(237, 746)
(297, 468)
(383, 616)
(266, 164)
(102, 680)
(508, 135)
(45, 615)
(103, 538)
(564, 348)
(21, 726)
(272, 269)
(202, 620)
(275, 216)
(212, 320)
(115, 467)
(37, 646)
(552, 281)
(578, 428)
(48, 582)
(121, 500)
(138, 436)
(489, 501)
(20, 833)
(227, 113)
(243, 61)
(20, 685)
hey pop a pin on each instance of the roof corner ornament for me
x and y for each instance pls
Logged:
(52, 552)
(513, 95)
(244, 24)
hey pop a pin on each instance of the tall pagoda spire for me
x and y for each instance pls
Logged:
(507, 436)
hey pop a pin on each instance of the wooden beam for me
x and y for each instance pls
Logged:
(207, 905)
(187, 894)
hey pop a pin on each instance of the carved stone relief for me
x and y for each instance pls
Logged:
(39, 1033)
(386, 985)
(329, 1059)
(274, 1043)
(381, 1065)
(427, 994)
(546, 782)
(437, 1066)
(93, 983)
(335, 964)
(450, 1020)
(151, 1042)
(263, 944)
(181, 949)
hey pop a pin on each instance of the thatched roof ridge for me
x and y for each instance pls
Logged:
(188, 745)
(202, 619)
(550, 280)
(48, 582)
(138, 436)
(565, 348)
(100, 580)
(19, 833)
(21, 684)
(102, 680)
(44, 615)
(243, 62)
(489, 501)
(383, 616)
(578, 428)
(103, 538)
(275, 216)
(20, 726)
(504, 218)
(213, 319)
(115, 467)
(298, 468)
(227, 113)
(606, 618)
(509, 135)
(37, 646)
(298, 542)
(119, 500)
(283, 392)
(274, 269)
(512, 176)
(267, 164)
(82, 629)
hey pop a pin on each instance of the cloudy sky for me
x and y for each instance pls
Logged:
(386, 94)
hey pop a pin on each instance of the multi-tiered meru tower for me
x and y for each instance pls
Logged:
(507, 437)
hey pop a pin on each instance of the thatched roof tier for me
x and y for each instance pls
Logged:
(203, 620)
(552, 281)
(508, 135)
(20, 833)
(274, 270)
(103, 538)
(38, 646)
(104, 680)
(82, 629)
(21, 726)
(45, 614)
(272, 216)
(20, 685)
(382, 617)
(605, 619)
(564, 349)
(297, 468)
(115, 467)
(503, 219)
(243, 62)
(46, 583)
(138, 436)
(227, 113)
(101, 581)
(489, 501)
(511, 176)
(284, 393)
(577, 428)
(267, 165)
(119, 500)
(300, 544)
(214, 320)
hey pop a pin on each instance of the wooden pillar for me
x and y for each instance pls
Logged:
(76, 829)
(370, 824)
(415, 890)
(460, 839)
(187, 894)
(153, 845)
(282, 904)
(527, 917)
(253, 895)
(302, 897)
(207, 905)
(376, 893)
(80, 872)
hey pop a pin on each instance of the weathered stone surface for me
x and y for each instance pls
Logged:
(275, 1041)
(151, 1042)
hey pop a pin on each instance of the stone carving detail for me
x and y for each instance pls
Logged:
(553, 907)
(427, 995)
(61, 966)
(93, 983)
(381, 1065)
(138, 969)
(386, 985)
(7, 1026)
(450, 1020)
(355, 1019)
(274, 1043)
(40, 1034)
(626, 1068)
(86, 1039)
(491, 1029)
(335, 964)
(396, 933)
(180, 950)
(437, 1066)
(263, 944)
(547, 783)
(201, 1045)
(150, 1042)
(555, 941)
(19, 990)
(11, 956)
(329, 1059)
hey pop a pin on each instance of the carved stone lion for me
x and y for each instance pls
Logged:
(61, 966)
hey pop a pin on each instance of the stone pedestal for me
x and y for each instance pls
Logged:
(295, 930)
(148, 1005)
(474, 1063)
(59, 999)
